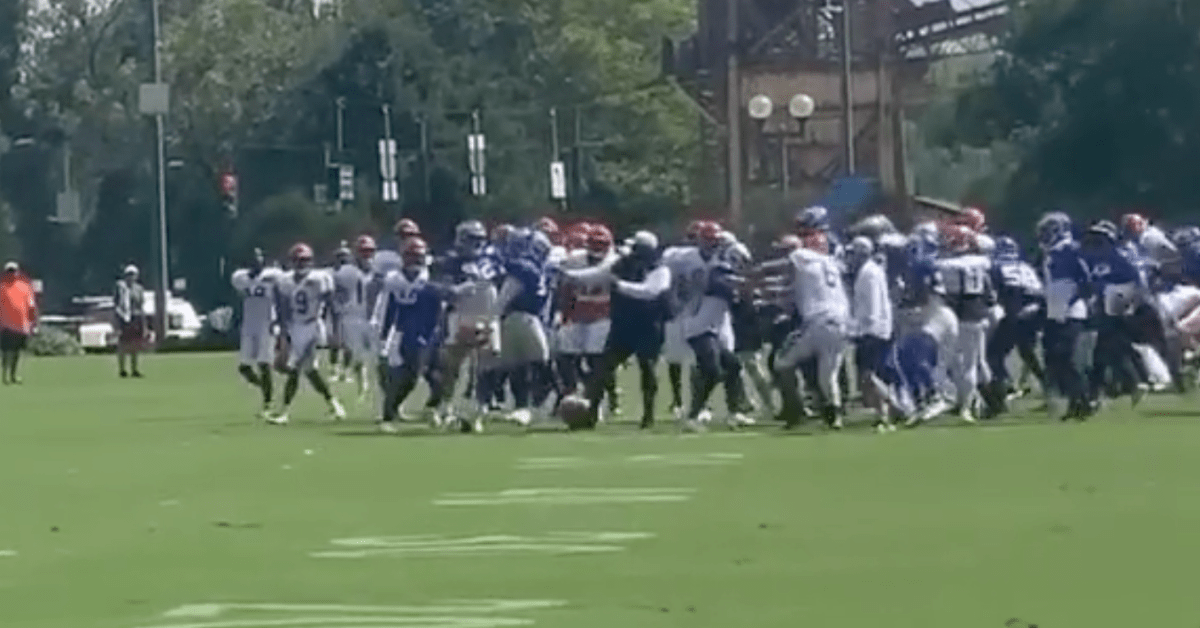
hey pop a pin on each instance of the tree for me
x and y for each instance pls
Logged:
(1101, 96)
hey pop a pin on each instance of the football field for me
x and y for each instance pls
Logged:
(162, 503)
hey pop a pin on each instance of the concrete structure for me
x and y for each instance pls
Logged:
(780, 48)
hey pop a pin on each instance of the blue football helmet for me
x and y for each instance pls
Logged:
(1007, 249)
(1053, 228)
(470, 238)
(815, 217)
(922, 247)
(1185, 236)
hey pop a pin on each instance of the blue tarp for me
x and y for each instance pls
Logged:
(846, 196)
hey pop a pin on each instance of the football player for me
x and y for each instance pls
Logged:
(468, 275)
(332, 329)
(1120, 287)
(585, 310)
(1022, 298)
(870, 326)
(689, 273)
(257, 285)
(1149, 240)
(1066, 279)
(639, 281)
(708, 330)
(747, 335)
(304, 294)
(414, 311)
(967, 277)
(819, 298)
(352, 282)
(525, 349)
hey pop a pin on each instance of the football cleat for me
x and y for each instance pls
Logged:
(336, 410)
(738, 419)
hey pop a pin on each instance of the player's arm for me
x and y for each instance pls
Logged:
(652, 287)
(427, 314)
(511, 287)
(591, 276)
(391, 309)
(283, 309)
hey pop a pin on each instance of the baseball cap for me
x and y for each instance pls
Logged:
(131, 270)
(10, 267)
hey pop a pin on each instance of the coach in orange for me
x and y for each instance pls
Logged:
(18, 319)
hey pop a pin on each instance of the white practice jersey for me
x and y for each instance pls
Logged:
(258, 296)
(817, 287)
(689, 278)
(306, 294)
(1157, 246)
(404, 290)
(351, 291)
(968, 283)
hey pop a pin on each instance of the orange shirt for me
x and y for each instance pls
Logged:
(18, 309)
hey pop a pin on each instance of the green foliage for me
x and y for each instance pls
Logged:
(254, 85)
(1101, 98)
(52, 342)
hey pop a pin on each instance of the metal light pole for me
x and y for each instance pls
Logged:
(848, 87)
(801, 107)
(759, 109)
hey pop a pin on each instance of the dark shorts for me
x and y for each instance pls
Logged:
(644, 341)
(870, 354)
(12, 340)
(131, 335)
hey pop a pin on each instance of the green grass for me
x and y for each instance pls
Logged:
(166, 492)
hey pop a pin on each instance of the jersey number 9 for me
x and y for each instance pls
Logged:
(300, 300)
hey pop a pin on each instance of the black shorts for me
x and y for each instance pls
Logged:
(870, 354)
(12, 340)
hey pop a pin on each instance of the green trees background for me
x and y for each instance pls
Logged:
(1092, 106)
(254, 90)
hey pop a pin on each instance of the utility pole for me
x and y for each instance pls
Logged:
(733, 112)
(425, 159)
(340, 147)
(164, 280)
(848, 88)
(577, 154)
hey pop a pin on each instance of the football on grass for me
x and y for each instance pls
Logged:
(576, 412)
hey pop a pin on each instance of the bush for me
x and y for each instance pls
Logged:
(49, 341)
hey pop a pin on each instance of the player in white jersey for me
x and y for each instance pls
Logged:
(689, 273)
(821, 300)
(331, 320)
(707, 325)
(967, 277)
(304, 294)
(353, 283)
(257, 285)
(1151, 242)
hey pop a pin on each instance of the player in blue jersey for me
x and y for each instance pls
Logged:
(1187, 241)
(1067, 283)
(525, 348)
(468, 273)
(1022, 297)
(414, 312)
(1120, 287)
